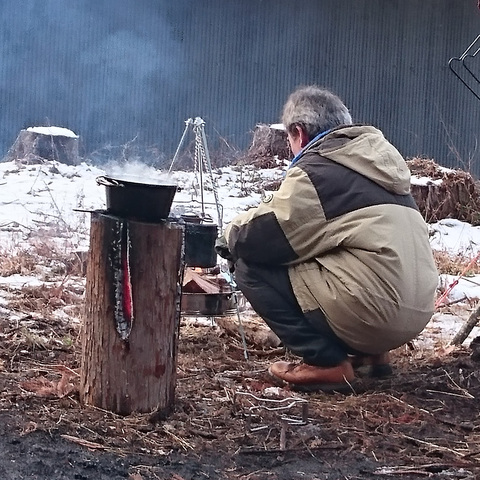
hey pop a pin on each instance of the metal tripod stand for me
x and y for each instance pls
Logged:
(202, 162)
(203, 165)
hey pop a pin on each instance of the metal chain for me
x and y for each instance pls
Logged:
(201, 142)
(197, 182)
(199, 160)
(201, 163)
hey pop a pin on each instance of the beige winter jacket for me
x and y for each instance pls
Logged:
(356, 246)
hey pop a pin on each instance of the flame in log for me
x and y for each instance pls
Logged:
(122, 285)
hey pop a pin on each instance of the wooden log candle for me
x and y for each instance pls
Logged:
(132, 313)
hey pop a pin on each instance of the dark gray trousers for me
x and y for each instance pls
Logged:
(270, 294)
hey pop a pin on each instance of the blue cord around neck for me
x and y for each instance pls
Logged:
(299, 154)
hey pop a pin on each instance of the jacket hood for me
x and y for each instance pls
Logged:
(365, 150)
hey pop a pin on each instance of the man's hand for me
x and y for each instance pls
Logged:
(221, 247)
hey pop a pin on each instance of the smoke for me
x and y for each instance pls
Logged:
(101, 69)
(138, 172)
(124, 75)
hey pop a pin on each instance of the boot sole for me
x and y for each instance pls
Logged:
(341, 387)
(324, 387)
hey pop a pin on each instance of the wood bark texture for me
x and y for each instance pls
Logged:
(34, 148)
(268, 144)
(137, 374)
(451, 199)
(446, 194)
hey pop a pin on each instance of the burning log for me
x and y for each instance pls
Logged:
(130, 331)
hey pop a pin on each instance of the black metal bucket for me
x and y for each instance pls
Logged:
(200, 244)
(129, 197)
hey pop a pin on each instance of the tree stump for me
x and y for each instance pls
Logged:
(269, 144)
(132, 315)
(42, 144)
(446, 194)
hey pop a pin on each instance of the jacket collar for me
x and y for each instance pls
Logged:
(310, 143)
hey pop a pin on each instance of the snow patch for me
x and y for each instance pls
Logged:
(55, 131)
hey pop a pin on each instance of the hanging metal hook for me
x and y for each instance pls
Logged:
(460, 61)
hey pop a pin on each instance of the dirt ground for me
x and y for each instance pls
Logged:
(229, 420)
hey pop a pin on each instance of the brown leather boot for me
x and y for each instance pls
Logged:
(377, 366)
(311, 378)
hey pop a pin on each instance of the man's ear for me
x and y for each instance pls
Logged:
(305, 138)
(303, 135)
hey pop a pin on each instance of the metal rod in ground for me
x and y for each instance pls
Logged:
(240, 326)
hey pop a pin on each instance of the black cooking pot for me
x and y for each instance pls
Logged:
(200, 243)
(130, 197)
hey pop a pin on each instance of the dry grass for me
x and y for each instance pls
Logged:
(22, 263)
(449, 264)
(42, 254)
(44, 299)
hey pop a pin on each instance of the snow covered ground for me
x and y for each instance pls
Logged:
(39, 201)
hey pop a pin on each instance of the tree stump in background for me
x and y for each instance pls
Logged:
(269, 144)
(41, 144)
(130, 331)
(444, 193)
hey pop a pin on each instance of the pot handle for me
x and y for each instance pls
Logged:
(108, 182)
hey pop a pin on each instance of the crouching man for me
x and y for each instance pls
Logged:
(337, 261)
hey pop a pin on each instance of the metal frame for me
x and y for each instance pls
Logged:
(461, 63)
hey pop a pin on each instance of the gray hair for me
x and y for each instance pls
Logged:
(315, 109)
